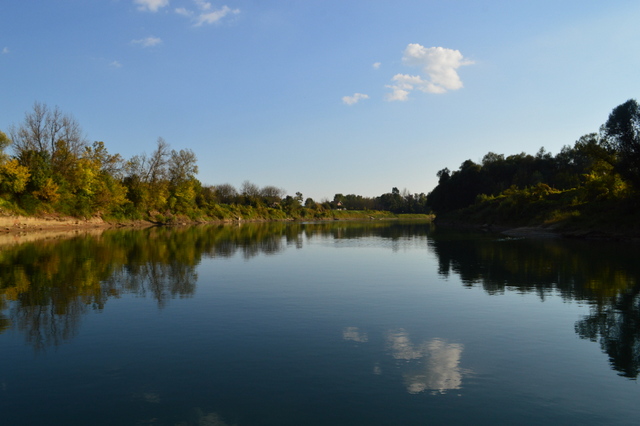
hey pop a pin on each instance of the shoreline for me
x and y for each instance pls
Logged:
(18, 229)
(547, 231)
(21, 229)
(14, 224)
(27, 224)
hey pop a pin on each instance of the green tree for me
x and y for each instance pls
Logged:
(226, 193)
(112, 165)
(338, 201)
(4, 144)
(182, 166)
(250, 192)
(460, 189)
(310, 204)
(104, 173)
(271, 194)
(622, 133)
(182, 169)
(13, 177)
(206, 196)
(41, 184)
(147, 180)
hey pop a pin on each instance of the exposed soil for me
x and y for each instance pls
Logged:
(21, 229)
(19, 224)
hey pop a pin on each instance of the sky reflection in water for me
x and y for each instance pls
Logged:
(332, 323)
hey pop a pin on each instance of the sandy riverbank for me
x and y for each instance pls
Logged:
(21, 224)
(21, 229)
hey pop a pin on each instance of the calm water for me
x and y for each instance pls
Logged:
(318, 324)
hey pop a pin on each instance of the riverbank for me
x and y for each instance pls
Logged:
(52, 226)
(14, 229)
(23, 229)
(553, 230)
(558, 214)
(24, 224)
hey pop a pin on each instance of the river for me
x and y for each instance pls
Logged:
(336, 323)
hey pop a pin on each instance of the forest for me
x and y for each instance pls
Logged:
(594, 183)
(47, 167)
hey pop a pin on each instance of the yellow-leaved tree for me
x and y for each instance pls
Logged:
(13, 176)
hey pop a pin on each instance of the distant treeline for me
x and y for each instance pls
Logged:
(599, 167)
(394, 201)
(53, 169)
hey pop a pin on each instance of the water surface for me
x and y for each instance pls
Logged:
(376, 323)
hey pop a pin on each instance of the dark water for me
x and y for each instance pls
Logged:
(318, 324)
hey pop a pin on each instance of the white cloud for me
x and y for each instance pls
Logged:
(5, 50)
(376, 65)
(151, 5)
(350, 100)
(147, 42)
(215, 16)
(206, 14)
(115, 64)
(398, 95)
(405, 81)
(439, 63)
(439, 66)
(203, 5)
(403, 85)
(184, 12)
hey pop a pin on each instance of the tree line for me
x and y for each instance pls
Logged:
(599, 166)
(395, 201)
(53, 169)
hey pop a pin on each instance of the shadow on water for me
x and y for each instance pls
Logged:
(46, 287)
(601, 274)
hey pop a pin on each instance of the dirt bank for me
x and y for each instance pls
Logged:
(20, 229)
(22, 224)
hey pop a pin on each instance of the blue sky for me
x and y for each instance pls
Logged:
(323, 96)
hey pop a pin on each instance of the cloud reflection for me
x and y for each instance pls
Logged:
(354, 334)
(208, 419)
(440, 371)
(152, 398)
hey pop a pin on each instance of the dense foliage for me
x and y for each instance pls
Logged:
(52, 169)
(599, 168)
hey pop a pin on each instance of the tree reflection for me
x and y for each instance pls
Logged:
(617, 327)
(577, 270)
(46, 286)
(43, 326)
(602, 275)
